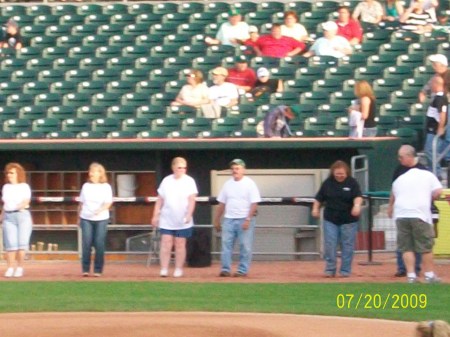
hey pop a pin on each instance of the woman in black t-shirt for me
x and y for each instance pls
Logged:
(341, 196)
(12, 38)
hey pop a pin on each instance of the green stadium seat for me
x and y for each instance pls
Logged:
(151, 134)
(413, 60)
(181, 111)
(110, 29)
(340, 73)
(385, 123)
(258, 18)
(120, 112)
(91, 87)
(163, 74)
(416, 123)
(242, 111)
(353, 60)
(42, 41)
(381, 60)
(5, 75)
(136, 52)
(213, 134)
(40, 9)
(342, 124)
(71, 19)
(178, 62)
(387, 84)
(12, 64)
(135, 124)
(61, 112)
(165, 8)
(39, 64)
(383, 96)
(304, 110)
(53, 53)
(115, 8)
(309, 73)
(75, 125)
(191, 7)
(81, 52)
(174, 86)
(17, 125)
(90, 112)
(107, 52)
(46, 20)
(423, 71)
(88, 134)
(217, 7)
(88, 9)
(7, 112)
(443, 48)
(319, 123)
(76, 99)
(405, 96)
(84, 29)
(380, 36)
(149, 87)
(414, 83)
(30, 32)
(181, 134)
(19, 100)
(140, 8)
(34, 88)
(162, 98)
(69, 41)
(312, 19)
(220, 50)
(60, 135)
(122, 19)
(334, 109)
(166, 124)
(77, 75)
(407, 135)
(406, 36)
(196, 124)
(394, 48)
(150, 112)
(206, 63)
(121, 134)
(398, 110)
(245, 7)
(298, 86)
(227, 124)
(135, 99)
(313, 97)
(45, 125)
(368, 73)
(105, 99)
(120, 87)
(107, 124)
(63, 9)
(32, 112)
(121, 40)
(30, 135)
(136, 29)
(306, 133)
(28, 53)
(263, 61)
(199, 39)
(9, 88)
(398, 72)
(327, 85)
(134, 75)
(50, 76)
(251, 123)
(424, 48)
(323, 61)
(47, 99)
(192, 51)
(344, 96)
(92, 63)
(106, 75)
(163, 29)
(298, 6)
(284, 98)
(95, 41)
(148, 19)
(120, 63)
(22, 19)
(175, 18)
(203, 18)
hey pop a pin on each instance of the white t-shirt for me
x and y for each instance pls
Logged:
(92, 197)
(298, 31)
(14, 194)
(175, 194)
(223, 94)
(227, 31)
(238, 197)
(413, 193)
(194, 95)
(326, 47)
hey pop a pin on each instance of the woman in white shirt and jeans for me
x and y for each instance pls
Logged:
(96, 198)
(16, 218)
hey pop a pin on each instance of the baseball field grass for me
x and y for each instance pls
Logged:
(396, 301)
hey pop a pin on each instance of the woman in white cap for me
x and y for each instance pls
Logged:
(330, 44)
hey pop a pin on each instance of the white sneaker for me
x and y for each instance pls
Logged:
(18, 272)
(164, 273)
(178, 272)
(9, 272)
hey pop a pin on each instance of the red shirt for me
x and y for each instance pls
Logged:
(272, 47)
(351, 30)
(245, 78)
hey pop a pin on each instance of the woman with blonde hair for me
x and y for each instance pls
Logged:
(173, 214)
(363, 109)
(16, 218)
(96, 198)
(433, 329)
(195, 92)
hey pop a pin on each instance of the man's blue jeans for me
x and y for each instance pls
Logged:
(429, 152)
(93, 234)
(401, 268)
(345, 236)
(232, 231)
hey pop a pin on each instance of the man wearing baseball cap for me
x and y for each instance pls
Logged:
(231, 32)
(238, 201)
(277, 45)
(241, 74)
(439, 63)
(330, 44)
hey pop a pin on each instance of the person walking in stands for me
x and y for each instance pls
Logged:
(238, 202)
(410, 204)
(342, 198)
(173, 214)
(16, 218)
(366, 104)
(96, 197)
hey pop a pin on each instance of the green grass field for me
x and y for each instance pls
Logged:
(390, 301)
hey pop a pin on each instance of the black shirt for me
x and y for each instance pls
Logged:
(433, 112)
(338, 199)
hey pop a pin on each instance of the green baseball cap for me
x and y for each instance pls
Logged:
(237, 161)
(234, 12)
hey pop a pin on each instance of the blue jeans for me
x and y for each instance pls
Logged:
(232, 231)
(93, 234)
(17, 227)
(401, 268)
(345, 236)
(429, 152)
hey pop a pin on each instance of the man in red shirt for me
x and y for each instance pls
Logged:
(242, 75)
(277, 45)
(348, 27)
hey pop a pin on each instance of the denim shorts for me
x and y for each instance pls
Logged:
(414, 235)
(178, 233)
(17, 227)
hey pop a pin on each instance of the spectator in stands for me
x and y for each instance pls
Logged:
(222, 94)
(277, 45)
(393, 10)
(366, 104)
(276, 122)
(242, 75)
(368, 11)
(231, 33)
(433, 329)
(238, 201)
(439, 62)
(430, 7)
(330, 44)
(12, 38)
(195, 93)
(173, 214)
(416, 19)
(341, 196)
(410, 205)
(16, 218)
(348, 27)
(96, 197)
(292, 28)
(437, 118)
(265, 85)
(251, 41)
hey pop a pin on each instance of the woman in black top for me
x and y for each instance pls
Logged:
(341, 196)
(367, 107)
(12, 38)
